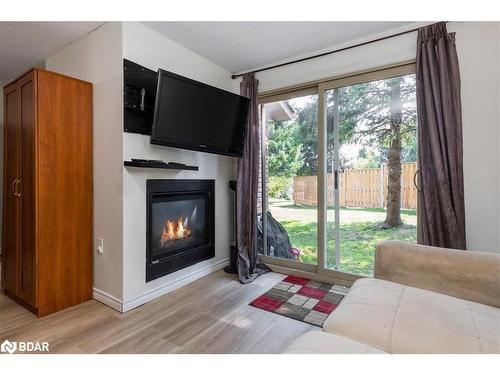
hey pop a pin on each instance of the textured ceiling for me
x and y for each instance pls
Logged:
(242, 46)
(25, 44)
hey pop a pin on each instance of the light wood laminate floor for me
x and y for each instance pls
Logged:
(210, 315)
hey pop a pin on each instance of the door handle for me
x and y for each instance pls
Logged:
(415, 182)
(15, 185)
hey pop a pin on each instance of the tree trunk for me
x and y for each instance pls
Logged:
(393, 216)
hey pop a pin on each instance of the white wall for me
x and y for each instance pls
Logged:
(148, 48)
(97, 57)
(371, 56)
(478, 49)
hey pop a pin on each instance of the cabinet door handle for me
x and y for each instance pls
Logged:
(18, 187)
(15, 185)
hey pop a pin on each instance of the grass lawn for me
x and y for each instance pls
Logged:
(357, 242)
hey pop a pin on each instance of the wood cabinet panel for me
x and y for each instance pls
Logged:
(11, 205)
(65, 168)
(27, 186)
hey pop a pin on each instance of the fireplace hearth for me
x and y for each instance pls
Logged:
(180, 225)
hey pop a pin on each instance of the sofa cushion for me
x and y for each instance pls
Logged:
(401, 319)
(318, 342)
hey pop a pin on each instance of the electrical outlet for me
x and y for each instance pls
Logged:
(99, 246)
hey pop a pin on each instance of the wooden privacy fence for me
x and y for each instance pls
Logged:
(365, 188)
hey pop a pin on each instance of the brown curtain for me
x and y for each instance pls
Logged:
(440, 139)
(249, 265)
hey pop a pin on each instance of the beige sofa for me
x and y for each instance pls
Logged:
(422, 300)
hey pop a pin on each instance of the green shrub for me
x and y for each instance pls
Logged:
(277, 187)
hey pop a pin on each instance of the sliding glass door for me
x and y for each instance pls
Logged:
(371, 162)
(338, 171)
(289, 144)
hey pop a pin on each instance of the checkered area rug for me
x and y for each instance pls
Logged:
(302, 299)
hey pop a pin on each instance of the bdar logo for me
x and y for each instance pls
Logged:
(24, 346)
(8, 347)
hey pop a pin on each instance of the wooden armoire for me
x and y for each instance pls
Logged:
(47, 191)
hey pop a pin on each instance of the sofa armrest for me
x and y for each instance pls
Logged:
(470, 275)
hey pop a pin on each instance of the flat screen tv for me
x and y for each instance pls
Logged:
(195, 116)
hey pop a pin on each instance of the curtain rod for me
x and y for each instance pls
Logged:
(234, 76)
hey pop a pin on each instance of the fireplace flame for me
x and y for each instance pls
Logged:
(175, 230)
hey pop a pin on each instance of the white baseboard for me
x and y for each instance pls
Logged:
(107, 299)
(141, 299)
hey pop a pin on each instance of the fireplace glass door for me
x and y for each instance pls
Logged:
(179, 223)
(180, 226)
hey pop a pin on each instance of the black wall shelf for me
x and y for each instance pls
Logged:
(128, 163)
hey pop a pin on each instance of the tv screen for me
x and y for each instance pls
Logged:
(196, 116)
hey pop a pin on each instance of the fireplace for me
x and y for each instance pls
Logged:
(180, 224)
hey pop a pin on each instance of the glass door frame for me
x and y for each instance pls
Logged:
(266, 98)
(320, 88)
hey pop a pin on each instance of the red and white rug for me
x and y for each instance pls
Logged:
(302, 299)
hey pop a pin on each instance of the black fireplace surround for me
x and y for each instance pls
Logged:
(180, 224)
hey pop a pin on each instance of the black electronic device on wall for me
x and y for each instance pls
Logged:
(179, 112)
(193, 115)
(139, 96)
